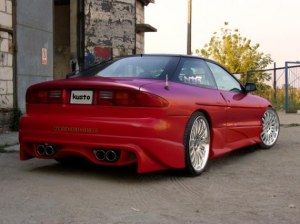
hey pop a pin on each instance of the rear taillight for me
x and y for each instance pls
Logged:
(130, 99)
(52, 96)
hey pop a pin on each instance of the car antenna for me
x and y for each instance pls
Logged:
(167, 82)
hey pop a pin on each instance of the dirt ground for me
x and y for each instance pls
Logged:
(247, 186)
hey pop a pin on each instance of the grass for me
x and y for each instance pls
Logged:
(290, 125)
(279, 101)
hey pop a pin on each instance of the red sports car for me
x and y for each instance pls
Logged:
(156, 111)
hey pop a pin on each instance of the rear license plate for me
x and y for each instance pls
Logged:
(81, 97)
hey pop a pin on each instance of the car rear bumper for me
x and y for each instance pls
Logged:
(154, 144)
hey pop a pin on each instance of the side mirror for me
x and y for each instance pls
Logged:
(250, 87)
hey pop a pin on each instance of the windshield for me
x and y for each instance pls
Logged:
(152, 67)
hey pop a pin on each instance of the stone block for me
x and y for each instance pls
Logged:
(9, 60)
(9, 87)
(3, 59)
(2, 6)
(4, 45)
(6, 101)
(6, 19)
(3, 87)
(9, 6)
(6, 73)
(3, 35)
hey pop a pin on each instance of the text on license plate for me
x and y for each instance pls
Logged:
(81, 97)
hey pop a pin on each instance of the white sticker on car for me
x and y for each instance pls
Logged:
(81, 97)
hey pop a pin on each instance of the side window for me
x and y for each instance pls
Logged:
(195, 72)
(223, 79)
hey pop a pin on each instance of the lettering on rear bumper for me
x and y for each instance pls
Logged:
(75, 129)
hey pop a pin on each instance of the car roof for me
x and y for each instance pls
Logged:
(176, 55)
(162, 54)
(170, 55)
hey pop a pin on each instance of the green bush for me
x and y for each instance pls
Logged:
(278, 101)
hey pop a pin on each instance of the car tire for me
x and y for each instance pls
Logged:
(197, 144)
(270, 128)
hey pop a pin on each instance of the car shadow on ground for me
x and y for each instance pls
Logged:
(84, 169)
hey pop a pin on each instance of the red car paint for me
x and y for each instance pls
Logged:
(151, 136)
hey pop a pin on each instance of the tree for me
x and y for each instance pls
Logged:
(237, 54)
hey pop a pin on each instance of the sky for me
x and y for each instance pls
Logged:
(274, 24)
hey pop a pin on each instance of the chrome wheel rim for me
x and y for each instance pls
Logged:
(270, 131)
(199, 144)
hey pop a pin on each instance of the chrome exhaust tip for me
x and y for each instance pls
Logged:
(50, 150)
(41, 150)
(111, 156)
(46, 150)
(106, 155)
(100, 154)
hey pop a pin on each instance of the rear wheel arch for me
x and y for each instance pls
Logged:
(206, 114)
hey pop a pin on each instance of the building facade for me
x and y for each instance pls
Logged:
(6, 64)
(60, 37)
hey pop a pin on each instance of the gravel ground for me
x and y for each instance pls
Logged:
(246, 186)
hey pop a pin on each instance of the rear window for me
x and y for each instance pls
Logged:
(152, 67)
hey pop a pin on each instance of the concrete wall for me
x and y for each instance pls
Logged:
(110, 24)
(140, 18)
(34, 31)
(73, 31)
(62, 54)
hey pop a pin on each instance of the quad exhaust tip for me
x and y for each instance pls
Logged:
(100, 154)
(106, 155)
(50, 151)
(46, 150)
(41, 149)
